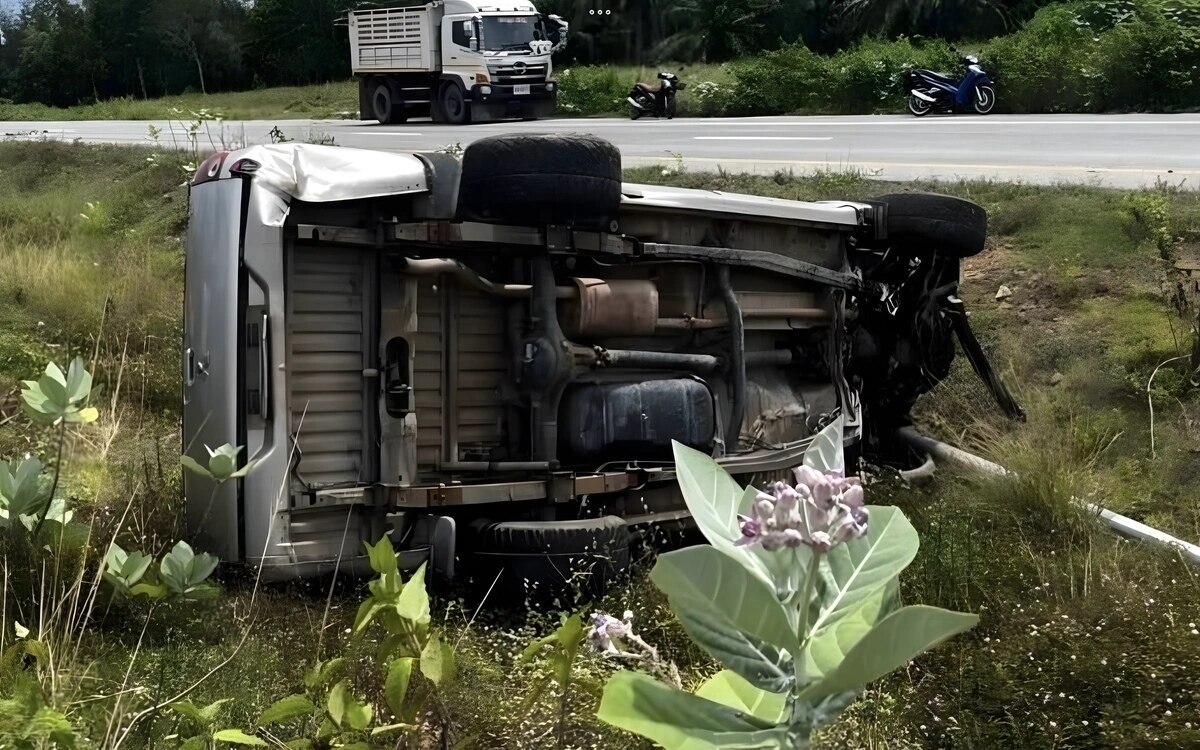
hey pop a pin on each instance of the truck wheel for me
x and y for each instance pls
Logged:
(939, 223)
(548, 557)
(454, 104)
(541, 179)
(386, 107)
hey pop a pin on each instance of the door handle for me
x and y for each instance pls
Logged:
(189, 366)
(264, 370)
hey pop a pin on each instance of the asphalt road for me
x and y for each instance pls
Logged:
(1115, 150)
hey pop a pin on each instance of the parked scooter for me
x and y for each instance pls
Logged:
(655, 99)
(937, 92)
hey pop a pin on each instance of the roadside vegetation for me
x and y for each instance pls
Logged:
(1085, 640)
(1075, 56)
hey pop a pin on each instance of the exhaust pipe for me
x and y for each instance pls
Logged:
(923, 96)
(1121, 524)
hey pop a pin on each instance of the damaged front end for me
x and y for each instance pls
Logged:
(902, 343)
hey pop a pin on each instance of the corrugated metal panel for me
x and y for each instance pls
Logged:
(327, 313)
(479, 353)
(428, 356)
(482, 367)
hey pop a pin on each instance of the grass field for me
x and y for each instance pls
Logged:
(1086, 641)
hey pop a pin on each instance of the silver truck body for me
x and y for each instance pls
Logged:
(360, 343)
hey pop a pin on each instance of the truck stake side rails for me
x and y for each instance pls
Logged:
(457, 61)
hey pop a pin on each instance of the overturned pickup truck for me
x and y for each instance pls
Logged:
(488, 360)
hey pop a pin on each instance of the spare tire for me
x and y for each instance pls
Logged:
(541, 179)
(928, 222)
(549, 557)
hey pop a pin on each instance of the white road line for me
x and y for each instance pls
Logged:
(760, 138)
(931, 167)
(404, 134)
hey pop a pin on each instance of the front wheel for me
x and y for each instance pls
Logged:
(918, 106)
(670, 107)
(985, 99)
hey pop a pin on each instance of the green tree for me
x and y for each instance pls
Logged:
(57, 61)
(297, 42)
(128, 44)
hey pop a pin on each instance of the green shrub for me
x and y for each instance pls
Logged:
(1095, 56)
(591, 90)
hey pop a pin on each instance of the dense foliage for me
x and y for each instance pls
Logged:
(1094, 56)
(62, 53)
(791, 55)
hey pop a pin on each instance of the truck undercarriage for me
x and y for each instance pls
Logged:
(494, 372)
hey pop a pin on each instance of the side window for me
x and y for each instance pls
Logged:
(458, 34)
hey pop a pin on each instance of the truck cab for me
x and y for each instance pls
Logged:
(458, 61)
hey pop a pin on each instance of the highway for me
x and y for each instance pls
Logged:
(1113, 150)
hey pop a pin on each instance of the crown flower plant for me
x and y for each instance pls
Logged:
(795, 596)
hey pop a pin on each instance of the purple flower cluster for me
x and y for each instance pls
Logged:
(821, 511)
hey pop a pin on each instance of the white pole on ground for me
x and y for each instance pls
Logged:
(940, 451)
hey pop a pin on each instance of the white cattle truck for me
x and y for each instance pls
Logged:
(490, 360)
(458, 61)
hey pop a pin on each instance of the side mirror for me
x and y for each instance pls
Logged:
(469, 29)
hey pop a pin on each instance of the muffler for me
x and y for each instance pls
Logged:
(923, 96)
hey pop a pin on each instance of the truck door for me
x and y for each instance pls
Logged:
(210, 359)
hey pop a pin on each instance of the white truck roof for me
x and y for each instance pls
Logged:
(319, 174)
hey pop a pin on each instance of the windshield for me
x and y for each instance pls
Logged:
(510, 32)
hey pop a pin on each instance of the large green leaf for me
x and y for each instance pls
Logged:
(291, 707)
(335, 703)
(715, 501)
(830, 645)
(678, 720)
(437, 661)
(358, 715)
(730, 613)
(21, 493)
(413, 604)
(890, 645)
(396, 686)
(79, 381)
(857, 569)
(203, 715)
(382, 556)
(238, 737)
(570, 635)
(730, 689)
(324, 672)
(826, 452)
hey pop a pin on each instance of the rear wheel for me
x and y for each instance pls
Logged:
(540, 179)
(455, 105)
(546, 558)
(634, 112)
(386, 107)
(985, 99)
(919, 106)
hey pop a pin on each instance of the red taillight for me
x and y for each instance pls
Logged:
(211, 168)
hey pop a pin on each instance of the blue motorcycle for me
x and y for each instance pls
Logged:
(937, 92)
